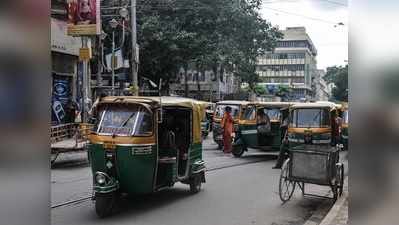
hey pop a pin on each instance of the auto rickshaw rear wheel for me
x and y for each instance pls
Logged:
(104, 204)
(195, 183)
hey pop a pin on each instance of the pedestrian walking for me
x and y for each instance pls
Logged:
(71, 111)
(283, 152)
(227, 126)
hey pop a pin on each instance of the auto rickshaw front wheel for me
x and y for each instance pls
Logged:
(195, 183)
(104, 204)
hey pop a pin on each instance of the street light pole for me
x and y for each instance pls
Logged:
(85, 83)
(113, 62)
(134, 47)
(113, 23)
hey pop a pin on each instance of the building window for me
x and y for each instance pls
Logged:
(293, 44)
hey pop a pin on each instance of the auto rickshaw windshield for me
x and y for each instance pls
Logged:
(220, 109)
(125, 120)
(310, 117)
(273, 114)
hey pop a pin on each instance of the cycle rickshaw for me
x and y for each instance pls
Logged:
(313, 153)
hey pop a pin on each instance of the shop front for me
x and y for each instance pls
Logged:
(64, 56)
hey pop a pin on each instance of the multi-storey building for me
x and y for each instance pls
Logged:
(205, 85)
(292, 63)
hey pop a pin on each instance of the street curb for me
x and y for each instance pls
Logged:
(320, 218)
(336, 208)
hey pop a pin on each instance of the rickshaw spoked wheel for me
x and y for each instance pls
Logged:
(195, 183)
(104, 204)
(286, 186)
(340, 178)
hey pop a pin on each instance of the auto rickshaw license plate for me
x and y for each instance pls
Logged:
(147, 150)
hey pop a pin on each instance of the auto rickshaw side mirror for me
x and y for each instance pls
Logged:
(159, 116)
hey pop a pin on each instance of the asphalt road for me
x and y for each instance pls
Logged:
(238, 192)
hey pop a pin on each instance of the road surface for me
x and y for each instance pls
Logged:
(238, 192)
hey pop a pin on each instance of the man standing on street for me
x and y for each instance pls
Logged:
(227, 126)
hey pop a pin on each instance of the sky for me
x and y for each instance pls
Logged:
(319, 17)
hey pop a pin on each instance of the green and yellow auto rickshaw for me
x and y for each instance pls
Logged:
(206, 121)
(313, 123)
(141, 145)
(260, 127)
(345, 125)
(237, 108)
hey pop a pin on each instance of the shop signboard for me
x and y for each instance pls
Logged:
(60, 41)
(61, 97)
(83, 17)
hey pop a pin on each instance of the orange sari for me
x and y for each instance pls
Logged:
(228, 126)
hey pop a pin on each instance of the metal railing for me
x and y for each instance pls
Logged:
(79, 132)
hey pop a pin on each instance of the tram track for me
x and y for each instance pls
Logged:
(87, 198)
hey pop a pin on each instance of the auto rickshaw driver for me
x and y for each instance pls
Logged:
(263, 126)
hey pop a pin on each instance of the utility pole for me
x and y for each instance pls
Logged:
(85, 83)
(134, 48)
(113, 61)
(99, 65)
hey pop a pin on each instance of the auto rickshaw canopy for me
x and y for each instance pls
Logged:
(154, 103)
(331, 105)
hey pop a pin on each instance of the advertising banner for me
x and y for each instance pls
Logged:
(61, 97)
(83, 17)
(60, 41)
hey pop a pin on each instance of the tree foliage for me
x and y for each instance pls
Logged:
(338, 75)
(217, 34)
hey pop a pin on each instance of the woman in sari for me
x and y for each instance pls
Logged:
(227, 126)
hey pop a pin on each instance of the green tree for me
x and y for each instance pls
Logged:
(338, 75)
(218, 34)
(283, 91)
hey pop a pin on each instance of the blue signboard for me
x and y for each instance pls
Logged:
(60, 97)
(61, 90)
(272, 89)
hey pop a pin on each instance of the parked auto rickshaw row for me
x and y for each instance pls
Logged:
(263, 125)
(142, 145)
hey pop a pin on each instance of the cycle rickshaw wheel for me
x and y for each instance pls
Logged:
(340, 178)
(286, 186)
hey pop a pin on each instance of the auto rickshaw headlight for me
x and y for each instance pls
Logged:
(100, 179)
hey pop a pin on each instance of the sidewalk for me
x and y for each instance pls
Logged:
(338, 214)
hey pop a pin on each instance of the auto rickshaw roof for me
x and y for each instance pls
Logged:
(345, 105)
(272, 104)
(233, 102)
(330, 105)
(153, 101)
